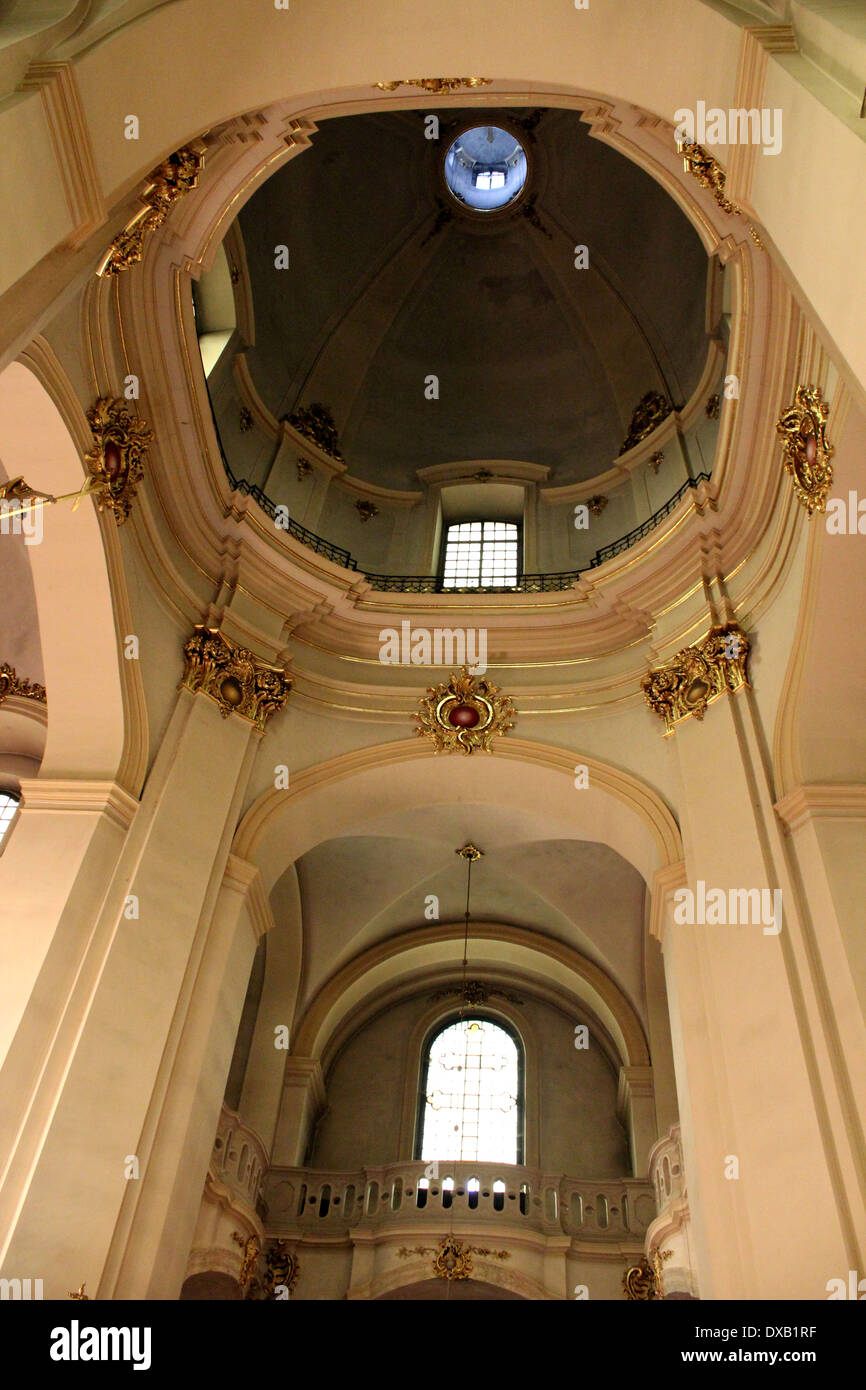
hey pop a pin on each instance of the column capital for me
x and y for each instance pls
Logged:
(666, 881)
(234, 677)
(72, 794)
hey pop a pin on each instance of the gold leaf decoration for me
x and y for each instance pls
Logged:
(464, 714)
(438, 86)
(697, 675)
(234, 677)
(116, 461)
(806, 449)
(12, 684)
(170, 181)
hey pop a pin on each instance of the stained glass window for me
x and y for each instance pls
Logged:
(471, 1095)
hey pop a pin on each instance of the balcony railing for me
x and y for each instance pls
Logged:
(432, 583)
(307, 1200)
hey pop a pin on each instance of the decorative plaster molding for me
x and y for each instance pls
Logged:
(666, 881)
(107, 798)
(246, 879)
(698, 675)
(821, 801)
(437, 86)
(464, 713)
(116, 461)
(806, 450)
(73, 149)
(466, 471)
(170, 181)
(13, 684)
(233, 677)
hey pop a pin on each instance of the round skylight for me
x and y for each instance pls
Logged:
(485, 168)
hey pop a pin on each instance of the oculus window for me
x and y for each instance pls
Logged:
(471, 1095)
(481, 554)
(485, 168)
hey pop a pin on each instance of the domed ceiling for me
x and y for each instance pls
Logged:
(392, 281)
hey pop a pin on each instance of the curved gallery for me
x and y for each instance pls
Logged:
(300, 900)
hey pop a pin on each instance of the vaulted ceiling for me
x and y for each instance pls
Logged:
(390, 282)
(358, 890)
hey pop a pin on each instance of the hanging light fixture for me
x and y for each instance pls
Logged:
(471, 854)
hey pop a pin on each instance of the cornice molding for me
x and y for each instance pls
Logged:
(502, 470)
(666, 881)
(821, 801)
(73, 149)
(246, 879)
(65, 794)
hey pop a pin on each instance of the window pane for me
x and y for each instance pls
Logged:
(481, 554)
(471, 1098)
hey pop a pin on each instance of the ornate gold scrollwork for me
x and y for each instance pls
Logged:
(697, 675)
(13, 684)
(234, 677)
(116, 461)
(464, 714)
(366, 510)
(644, 1282)
(252, 1249)
(452, 1259)
(316, 423)
(649, 413)
(170, 181)
(438, 86)
(281, 1272)
(806, 449)
(710, 174)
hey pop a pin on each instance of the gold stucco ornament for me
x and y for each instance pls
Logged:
(13, 684)
(234, 677)
(806, 451)
(464, 714)
(169, 181)
(644, 1281)
(116, 461)
(438, 86)
(697, 675)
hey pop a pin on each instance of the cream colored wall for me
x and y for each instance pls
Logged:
(575, 1095)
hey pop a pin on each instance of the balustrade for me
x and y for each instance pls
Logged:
(300, 1199)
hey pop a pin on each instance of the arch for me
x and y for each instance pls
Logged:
(72, 583)
(492, 944)
(561, 48)
(616, 809)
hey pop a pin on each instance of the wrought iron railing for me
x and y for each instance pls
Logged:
(432, 583)
(607, 552)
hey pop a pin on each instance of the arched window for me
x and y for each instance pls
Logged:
(471, 1102)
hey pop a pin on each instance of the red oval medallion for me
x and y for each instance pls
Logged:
(811, 448)
(463, 716)
(111, 459)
